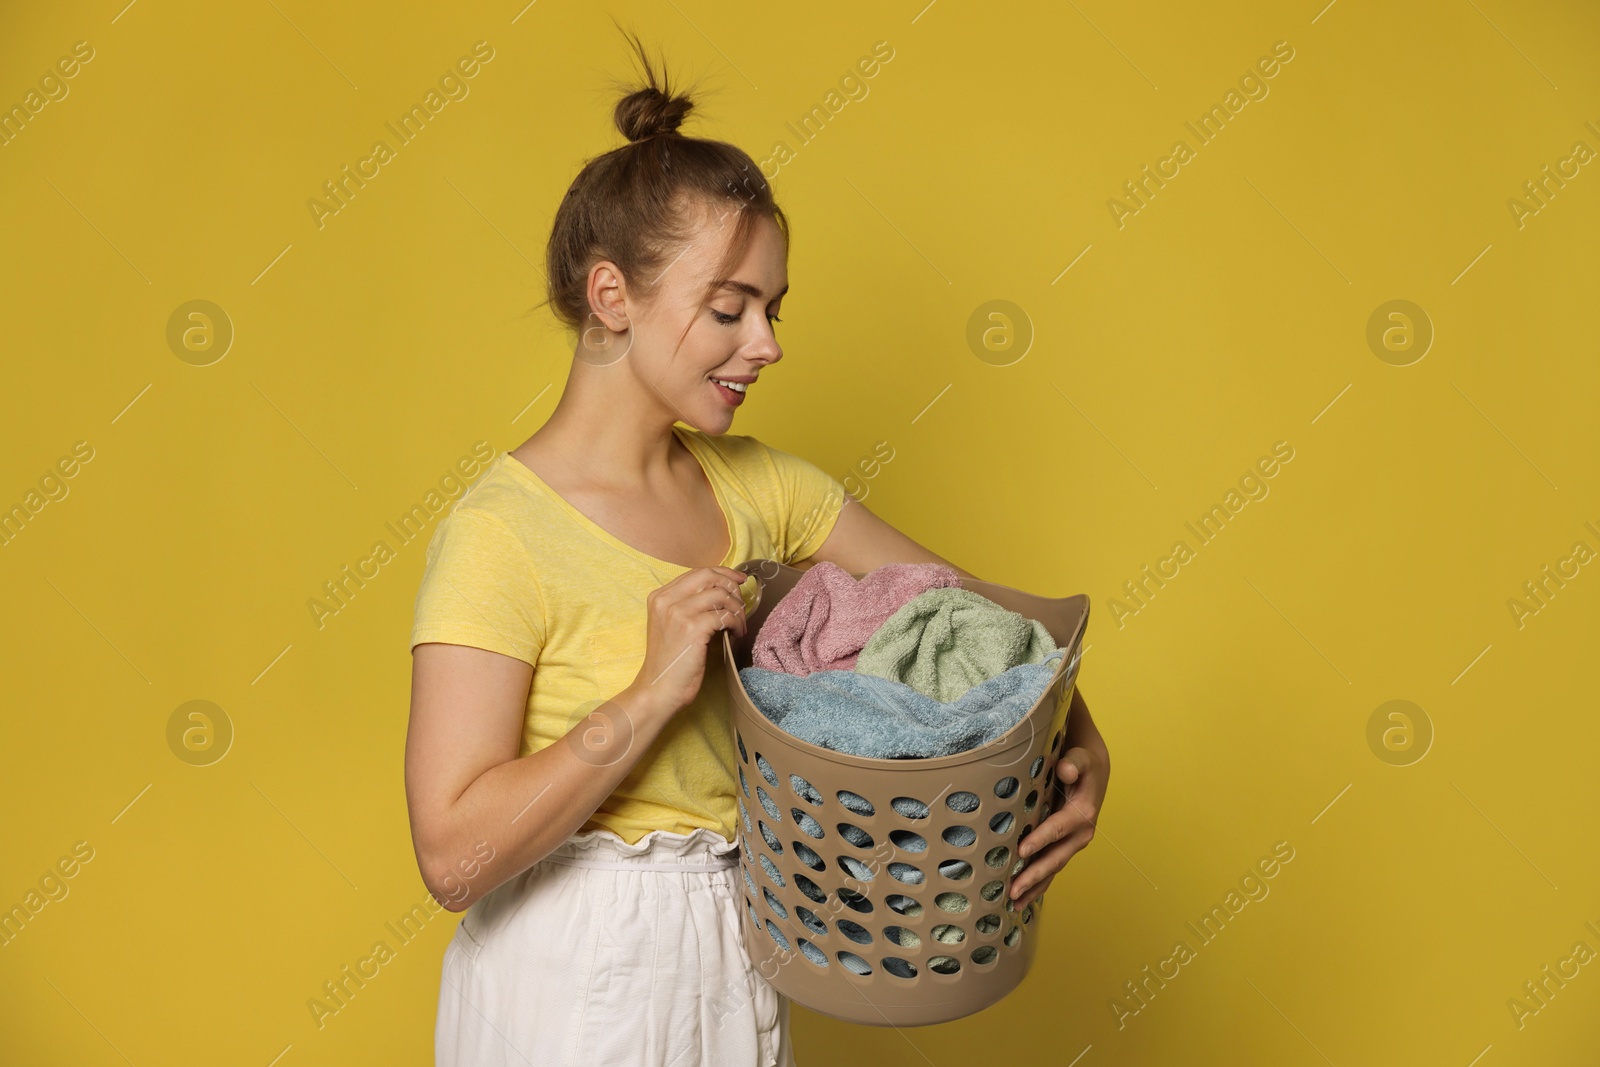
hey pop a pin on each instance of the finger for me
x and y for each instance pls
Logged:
(719, 594)
(728, 608)
(1037, 891)
(728, 586)
(1074, 764)
(1049, 862)
(1062, 824)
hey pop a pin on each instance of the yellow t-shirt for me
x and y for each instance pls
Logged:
(516, 569)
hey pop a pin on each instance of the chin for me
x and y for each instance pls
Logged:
(716, 425)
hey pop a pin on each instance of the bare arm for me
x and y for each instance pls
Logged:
(480, 814)
(861, 541)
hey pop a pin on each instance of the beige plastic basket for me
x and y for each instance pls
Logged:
(876, 891)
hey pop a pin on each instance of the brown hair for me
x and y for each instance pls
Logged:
(635, 205)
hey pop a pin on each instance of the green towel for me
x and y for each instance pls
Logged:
(945, 641)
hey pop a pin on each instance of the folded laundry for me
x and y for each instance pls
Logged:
(821, 623)
(945, 641)
(863, 715)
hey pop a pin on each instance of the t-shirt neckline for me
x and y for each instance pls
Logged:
(525, 473)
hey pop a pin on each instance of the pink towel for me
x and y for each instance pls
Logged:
(826, 619)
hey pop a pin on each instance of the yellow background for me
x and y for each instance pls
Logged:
(1228, 314)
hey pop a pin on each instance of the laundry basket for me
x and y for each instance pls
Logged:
(913, 924)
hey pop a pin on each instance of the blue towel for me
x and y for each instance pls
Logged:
(863, 715)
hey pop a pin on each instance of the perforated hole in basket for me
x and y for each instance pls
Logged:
(1005, 788)
(857, 803)
(910, 842)
(901, 904)
(754, 918)
(853, 930)
(1001, 822)
(777, 935)
(958, 836)
(949, 934)
(805, 790)
(998, 856)
(856, 901)
(812, 922)
(1030, 800)
(813, 953)
(770, 838)
(806, 823)
(743, 814)
(1013, 935)
(775, 904)
(855, 964)
(743, 785)
(772, 871)
(898, 967)
(992, 891)
(905, 872)
(956, 870)
(766, 770)
(855, 835)
(962, 801)
(908, 808)
(855, 868)
(805, 855)
(952, 902)
(748, 881)
(810, 889)
(900, 935)
(943, 964)
(989, 924)
(768, 804)
(744, 757)
(1038, 765)
(984, 955)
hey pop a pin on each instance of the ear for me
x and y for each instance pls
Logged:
(608, 295)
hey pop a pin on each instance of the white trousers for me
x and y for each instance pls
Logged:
(609, 953)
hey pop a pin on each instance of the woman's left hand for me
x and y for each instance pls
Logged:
(1084, 770)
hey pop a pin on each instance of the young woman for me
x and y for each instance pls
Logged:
(569, 762)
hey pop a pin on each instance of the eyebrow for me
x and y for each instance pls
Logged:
(748, 289)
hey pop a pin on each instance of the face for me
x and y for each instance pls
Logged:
(727, 337)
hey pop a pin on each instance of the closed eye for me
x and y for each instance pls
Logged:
(729, 320)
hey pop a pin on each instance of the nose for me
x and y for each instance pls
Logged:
(765, 348)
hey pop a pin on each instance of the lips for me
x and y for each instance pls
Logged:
(731, 397)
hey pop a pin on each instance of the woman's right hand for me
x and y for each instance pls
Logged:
(684, 615)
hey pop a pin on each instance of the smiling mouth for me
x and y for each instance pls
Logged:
(732, 393)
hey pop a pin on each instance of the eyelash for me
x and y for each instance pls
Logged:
(729, 320)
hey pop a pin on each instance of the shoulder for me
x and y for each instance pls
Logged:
(498, 509)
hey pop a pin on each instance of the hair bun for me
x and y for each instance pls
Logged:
(649, 111)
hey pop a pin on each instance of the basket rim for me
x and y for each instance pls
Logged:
(1067, 666)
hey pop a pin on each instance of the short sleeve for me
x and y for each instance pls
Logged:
(809, 501)
(479, 588)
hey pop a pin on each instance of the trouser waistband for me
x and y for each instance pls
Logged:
(575, 861)
(660, 850)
